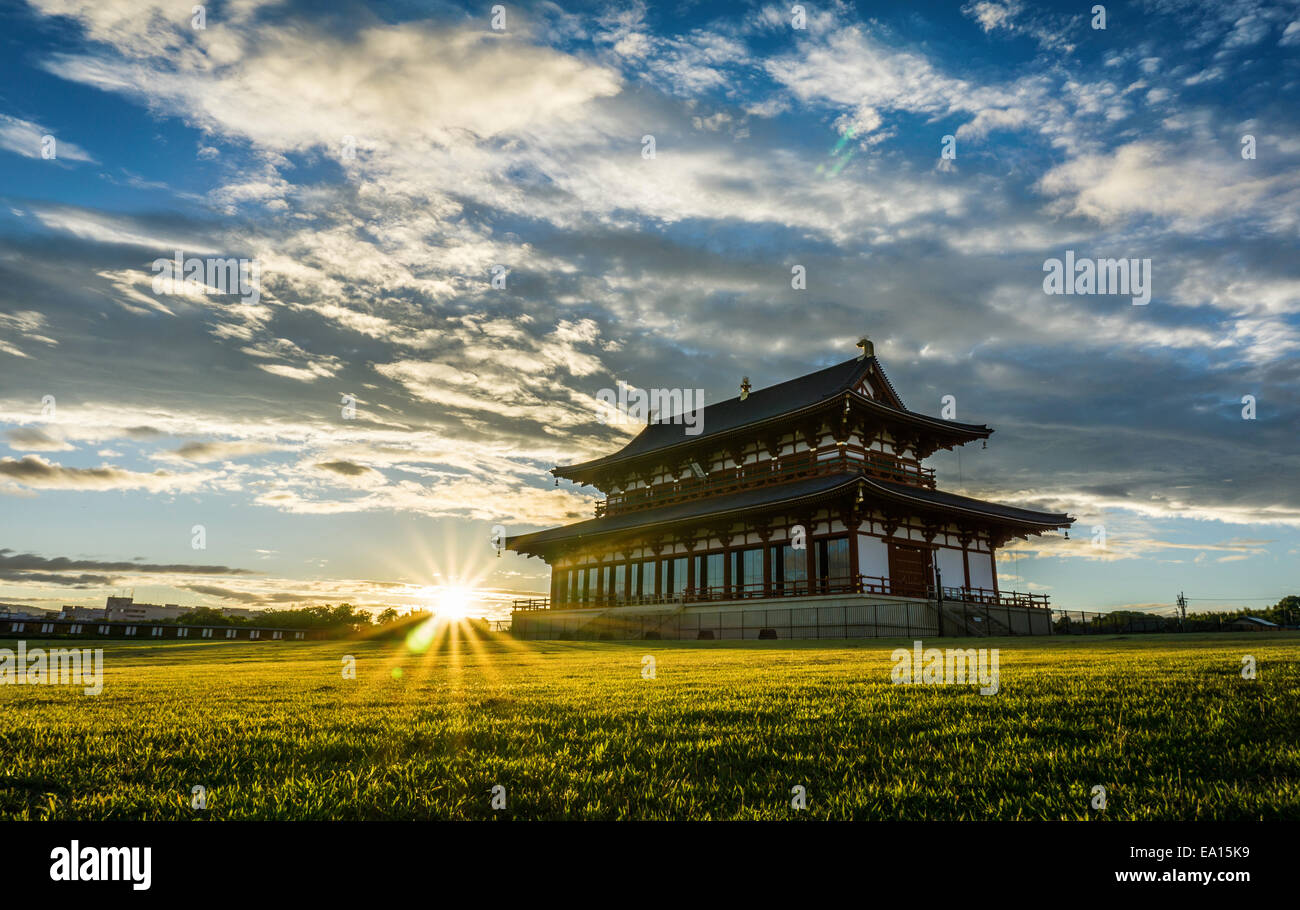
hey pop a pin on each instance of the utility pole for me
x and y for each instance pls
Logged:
(1182, 612)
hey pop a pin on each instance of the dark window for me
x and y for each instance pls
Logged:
(714, 564)
(620, 581)
(838, 558)
(747, 573)
(708, 571)
(789, 570)
(833, 561)
(678, 573)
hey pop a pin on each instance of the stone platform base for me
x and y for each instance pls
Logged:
(830, 616)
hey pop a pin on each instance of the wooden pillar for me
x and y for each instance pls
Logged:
(993, 564)
(852, 521)
(889, 526)
(855, 574)
(765, 535)
(724, 537)
(932, 555)
(811, 565)
(691, 544)
(656, 550)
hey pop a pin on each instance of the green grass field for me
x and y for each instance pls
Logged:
(1166, 724)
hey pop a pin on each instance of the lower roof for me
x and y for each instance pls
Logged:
(799, 492)
(978, 507)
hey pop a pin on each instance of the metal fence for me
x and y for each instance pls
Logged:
(884, 619)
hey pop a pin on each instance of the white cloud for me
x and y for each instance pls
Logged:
(28, 325)
(1154, 178)
(390, 86)
(22, 137)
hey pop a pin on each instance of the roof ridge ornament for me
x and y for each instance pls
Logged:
(744, 387)
(868, 349)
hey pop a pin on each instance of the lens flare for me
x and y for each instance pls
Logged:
(454, 602)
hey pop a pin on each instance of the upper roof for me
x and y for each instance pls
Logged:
(782, 399)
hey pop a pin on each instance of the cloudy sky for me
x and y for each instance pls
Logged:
(380, 164)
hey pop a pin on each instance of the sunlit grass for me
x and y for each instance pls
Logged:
(573, 730)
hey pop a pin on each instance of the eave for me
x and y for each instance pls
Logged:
(1009, 520)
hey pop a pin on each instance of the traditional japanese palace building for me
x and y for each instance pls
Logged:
(799, 510)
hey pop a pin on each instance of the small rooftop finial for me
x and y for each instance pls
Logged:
(868, 349)
(744, 388)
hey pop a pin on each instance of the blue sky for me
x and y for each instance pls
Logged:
(377, 161)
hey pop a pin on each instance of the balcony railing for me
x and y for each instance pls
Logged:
(864, 584)
(763, 473)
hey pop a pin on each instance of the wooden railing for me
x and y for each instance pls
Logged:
(763, 473)
(996, 598)
(864, 584)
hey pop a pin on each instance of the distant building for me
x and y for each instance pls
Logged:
(84, 614)
(125, 609)
(1252, 624)
(21, 611)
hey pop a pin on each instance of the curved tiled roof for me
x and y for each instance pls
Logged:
(782, 399)
(735, 504)
(719, 506)
(952, 502)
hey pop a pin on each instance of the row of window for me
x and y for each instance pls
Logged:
(672, 577)
(48, 628)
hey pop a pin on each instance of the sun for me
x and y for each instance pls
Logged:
(454, 602)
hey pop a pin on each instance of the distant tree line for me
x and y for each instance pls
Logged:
(1286, 612)
(343, 618)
